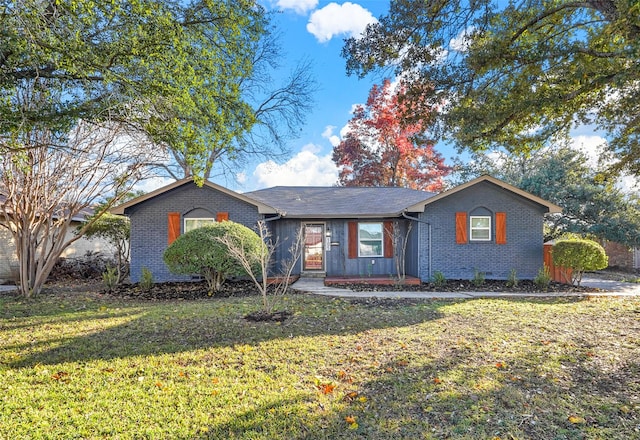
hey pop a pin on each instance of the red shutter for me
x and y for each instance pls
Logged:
(173, 226)
(222, 216)
(353, 239)
(501, 228)
(388, 239)
(461, 227)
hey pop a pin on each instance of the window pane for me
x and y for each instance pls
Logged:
(193, 223)
(370, 248)
(370, 239)
(370, 231)
(480, 222)
(480, 234)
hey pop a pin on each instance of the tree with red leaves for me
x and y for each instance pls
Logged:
(382, 149)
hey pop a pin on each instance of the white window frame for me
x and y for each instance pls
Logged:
(187, 219)
(370, 240)
(472, 229)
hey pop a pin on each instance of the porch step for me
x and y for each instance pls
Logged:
(313, 275)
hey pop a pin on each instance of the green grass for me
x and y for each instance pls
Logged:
(82, 366)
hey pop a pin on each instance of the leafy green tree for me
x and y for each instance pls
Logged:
(579, 256)
(592, 205)
(171, 70)
(115, 229)
(201, 251)
(515, 74)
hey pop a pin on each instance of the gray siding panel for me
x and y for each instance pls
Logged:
(523, 251)
(149, 224)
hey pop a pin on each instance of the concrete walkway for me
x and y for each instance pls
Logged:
(7, 288)
(608, 288)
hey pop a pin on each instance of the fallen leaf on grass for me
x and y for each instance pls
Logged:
(350, 396)
(576, 420)
(437, 380)
(500, 365)
(326, 388)
(61, 376)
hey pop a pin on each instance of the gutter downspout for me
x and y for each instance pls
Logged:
(405, 215)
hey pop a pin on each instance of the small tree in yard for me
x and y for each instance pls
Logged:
(115, 229)
(579, 255)
(256, 264)
(203, 251)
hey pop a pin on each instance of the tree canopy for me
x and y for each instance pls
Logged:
(171, 70)
(517, 74)
(381, 150)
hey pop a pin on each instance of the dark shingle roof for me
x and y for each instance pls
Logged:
(339, 202)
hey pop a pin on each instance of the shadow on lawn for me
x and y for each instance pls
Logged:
(181, 326)
(166, 327)
(544, 392)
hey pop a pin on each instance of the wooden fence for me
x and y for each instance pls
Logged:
(558, 274)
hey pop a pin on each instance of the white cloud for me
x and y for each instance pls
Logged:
(298, 6)
(311, 148)
(592, 146)
(241, 177)
(305, 169)
(334, 19)
(328, 134)
(152, 184)
(462, 41)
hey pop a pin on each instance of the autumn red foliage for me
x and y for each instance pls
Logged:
(382, 148)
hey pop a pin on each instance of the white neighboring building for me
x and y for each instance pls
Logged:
(79, 249)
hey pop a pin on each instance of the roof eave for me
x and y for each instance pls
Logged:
(262, 207)
(551, 207)
(343, 216)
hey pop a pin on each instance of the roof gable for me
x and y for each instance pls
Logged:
(551, 208)
(262, 207)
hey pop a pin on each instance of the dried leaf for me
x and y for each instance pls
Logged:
(576, 419)
(326, 388)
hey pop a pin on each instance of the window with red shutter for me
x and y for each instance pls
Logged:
(461, 227)
(501, 228)
(173, 221)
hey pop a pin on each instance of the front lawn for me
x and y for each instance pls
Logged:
(82, 365)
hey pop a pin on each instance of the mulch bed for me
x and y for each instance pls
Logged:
(198, 290)
(524, 286)
(185, 290)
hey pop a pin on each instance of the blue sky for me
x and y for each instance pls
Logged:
(315, 30)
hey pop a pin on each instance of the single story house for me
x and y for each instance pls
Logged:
(484, 225)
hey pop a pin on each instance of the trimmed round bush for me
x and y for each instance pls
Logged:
(201, 252)
(579, 255)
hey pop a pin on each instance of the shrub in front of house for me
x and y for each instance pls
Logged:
(200, 252)
(579, 255)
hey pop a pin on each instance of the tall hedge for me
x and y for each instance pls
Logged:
(201, 252)
(579, 255)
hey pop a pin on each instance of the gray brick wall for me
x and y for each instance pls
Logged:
(149, 224)
(523, 251)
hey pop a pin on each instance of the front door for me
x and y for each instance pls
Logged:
(313, 246)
